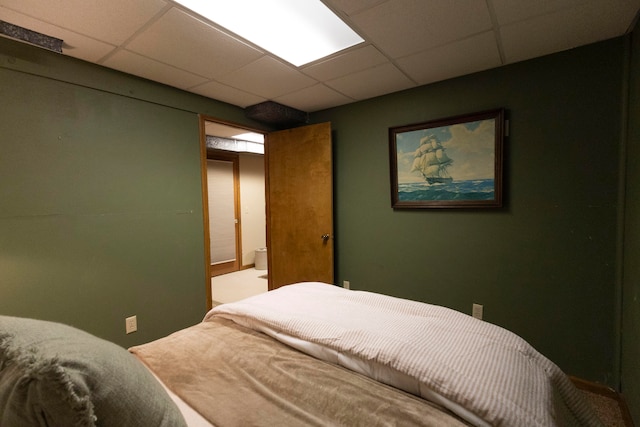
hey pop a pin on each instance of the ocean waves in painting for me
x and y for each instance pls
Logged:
(479, 189)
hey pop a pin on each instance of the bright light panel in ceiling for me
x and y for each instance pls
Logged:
(298, 31)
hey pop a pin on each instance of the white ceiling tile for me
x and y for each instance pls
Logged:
(456, 59)
(608, 19)
(403, 27)
(226, 93)
(372, 82)
(75, 44)
(561, 30)
(347, 63)
(268, 78)
(199, 48)
(112, 21)
(509, 11)
(314, 98)
(351, 6)
(137, 65)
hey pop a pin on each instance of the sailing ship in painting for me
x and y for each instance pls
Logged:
(431, 160)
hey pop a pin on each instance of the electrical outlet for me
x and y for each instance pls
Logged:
(131, 324)
(346, 284)
(477, 311)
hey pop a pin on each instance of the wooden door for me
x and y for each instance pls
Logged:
(299, 205)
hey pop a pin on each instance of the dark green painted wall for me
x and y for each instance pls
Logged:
(631, 291)
(544, 266)
(100, 196)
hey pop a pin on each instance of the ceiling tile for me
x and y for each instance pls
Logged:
(509, 11)
(314, 98)
(268, 78)
(112, 21)
(75, 44)
(347, 63)
(351, 6)
(563, 29)
(456, 59)
(403, 27)
(608, 19)
(226, 93)
(372, 82)
(137, 65)
(200, 48)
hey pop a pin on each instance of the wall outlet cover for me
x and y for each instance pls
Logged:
(477, 311)
(131, 324)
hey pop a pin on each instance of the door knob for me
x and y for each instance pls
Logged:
(325, 237)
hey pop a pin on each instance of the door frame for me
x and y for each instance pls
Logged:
(205, 192)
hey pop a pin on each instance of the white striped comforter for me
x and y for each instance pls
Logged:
(484, 373)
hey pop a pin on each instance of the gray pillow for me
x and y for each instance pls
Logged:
(55, 375)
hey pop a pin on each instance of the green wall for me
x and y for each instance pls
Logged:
(100, 196)
(631, 291)
(544, 266)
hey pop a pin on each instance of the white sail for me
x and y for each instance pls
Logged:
(417, 165)
(421, 150)
(442, 157)
(431, 160)
(431, 171)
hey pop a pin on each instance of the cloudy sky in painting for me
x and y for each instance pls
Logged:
(469, 145)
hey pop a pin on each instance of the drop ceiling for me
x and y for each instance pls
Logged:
(408, 43)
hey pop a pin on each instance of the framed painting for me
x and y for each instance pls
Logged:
(454, 162)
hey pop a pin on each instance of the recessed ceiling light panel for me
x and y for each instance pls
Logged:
(298, 31)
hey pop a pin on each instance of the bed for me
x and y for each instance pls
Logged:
(310, 354)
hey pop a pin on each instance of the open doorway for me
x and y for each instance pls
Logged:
(235, 208)
(298, 205)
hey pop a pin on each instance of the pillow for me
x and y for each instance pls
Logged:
(55, 375)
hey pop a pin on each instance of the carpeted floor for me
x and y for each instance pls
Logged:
(607, 409)
(609, 405)
(238, 285)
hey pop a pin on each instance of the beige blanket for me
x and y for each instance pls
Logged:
(234, 376)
